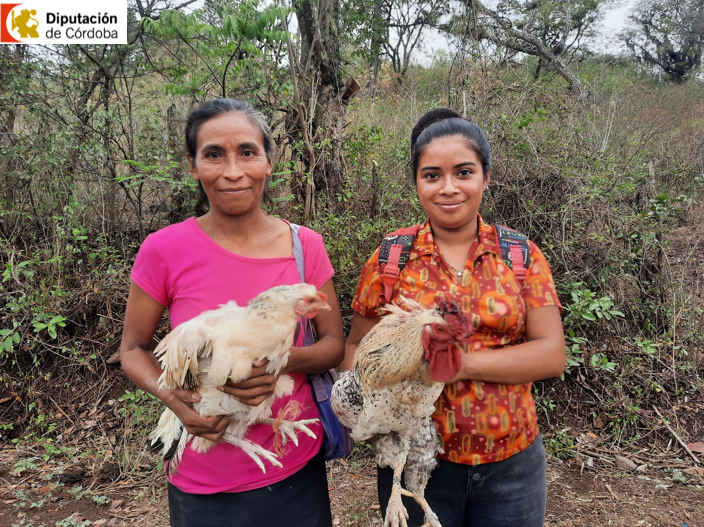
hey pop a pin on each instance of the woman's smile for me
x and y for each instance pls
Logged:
(234, 191)
(450, 206)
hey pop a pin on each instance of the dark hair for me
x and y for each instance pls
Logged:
(211, 109)
(443, 122)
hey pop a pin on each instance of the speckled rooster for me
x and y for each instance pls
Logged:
(389, 394)
(204, 352)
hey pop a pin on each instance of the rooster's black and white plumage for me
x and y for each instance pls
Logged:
(388, 396)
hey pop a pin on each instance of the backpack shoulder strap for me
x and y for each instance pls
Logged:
(515, 251)
(394, 253)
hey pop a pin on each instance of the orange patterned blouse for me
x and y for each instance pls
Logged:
(479, 422)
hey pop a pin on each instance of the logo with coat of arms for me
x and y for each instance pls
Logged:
(17, 23)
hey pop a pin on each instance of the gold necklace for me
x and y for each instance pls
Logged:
(459, 273)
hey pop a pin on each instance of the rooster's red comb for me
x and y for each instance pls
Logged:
(447, 308)
(457, 322)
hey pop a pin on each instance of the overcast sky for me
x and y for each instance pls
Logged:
(614, 21)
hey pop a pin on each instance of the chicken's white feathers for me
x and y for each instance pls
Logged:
(235, 336)
(202, 353)
(180, 350)
(396, 309)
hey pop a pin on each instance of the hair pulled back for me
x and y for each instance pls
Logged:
(214, 108)
(443, 122)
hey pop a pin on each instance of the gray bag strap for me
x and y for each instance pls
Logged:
(298, 252)
(308, 337)
(315, 379)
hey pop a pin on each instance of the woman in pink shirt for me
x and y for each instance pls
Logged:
(233, 252)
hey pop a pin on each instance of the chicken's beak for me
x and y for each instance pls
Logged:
(323, 301)
(310, 310)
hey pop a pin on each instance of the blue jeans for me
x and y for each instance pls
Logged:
(301, 500)
(507, 493)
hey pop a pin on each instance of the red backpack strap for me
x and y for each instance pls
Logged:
(394, 252)
(518, 268)
(515, 251)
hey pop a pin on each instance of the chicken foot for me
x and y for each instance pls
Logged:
(431, 519)
(394, 450)
(288, 428)
(253, 450)
(396, 513)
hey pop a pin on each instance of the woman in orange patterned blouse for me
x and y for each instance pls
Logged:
(492, 471)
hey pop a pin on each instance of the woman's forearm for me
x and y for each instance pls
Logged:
(542, 356)
(527, 362)
(321, 356)
(350, 350)
(144, 370)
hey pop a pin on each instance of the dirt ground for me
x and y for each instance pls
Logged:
(68, 495)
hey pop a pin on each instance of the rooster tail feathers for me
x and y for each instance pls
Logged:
(179, 352)
(178, 451)
(167, 430)
(171, 436)
(170, 451)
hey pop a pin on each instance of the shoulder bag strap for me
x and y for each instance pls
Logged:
(298, 252)
(308, 337)
(315, 379)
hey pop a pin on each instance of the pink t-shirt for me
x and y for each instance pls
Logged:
(182, 268)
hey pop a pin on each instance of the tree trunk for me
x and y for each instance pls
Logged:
(536, 75)
(178, 197)
(320, 94)
(523, 41)
(11, 62)
(377, 43)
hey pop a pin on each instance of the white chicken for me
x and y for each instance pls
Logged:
(202, 353)
(397, 375)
